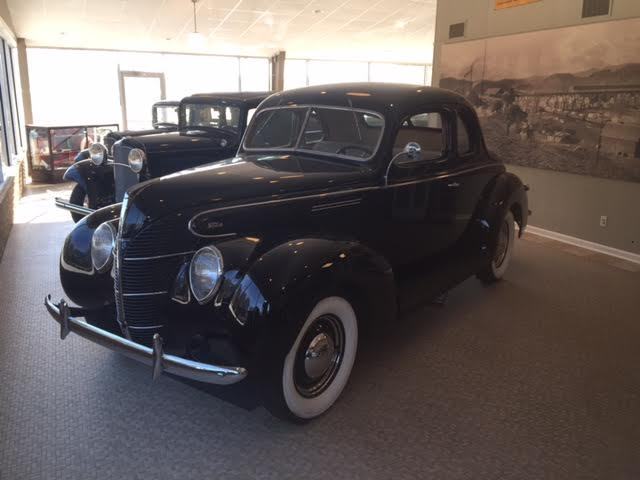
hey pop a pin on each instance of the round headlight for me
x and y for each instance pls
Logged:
(136, 160)
(97, 153)
(205, 273)
(102, 245)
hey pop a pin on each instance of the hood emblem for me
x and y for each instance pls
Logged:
(201, 226)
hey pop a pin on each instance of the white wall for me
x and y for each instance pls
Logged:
(562, 202)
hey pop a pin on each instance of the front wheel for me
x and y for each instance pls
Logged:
(318, 365)
(502, 251)
(78, 197)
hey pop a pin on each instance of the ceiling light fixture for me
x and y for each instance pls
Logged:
(195, 39)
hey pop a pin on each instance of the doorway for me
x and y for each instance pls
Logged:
(138, 92)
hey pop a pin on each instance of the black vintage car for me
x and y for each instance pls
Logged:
(345, 204)
(210, 128)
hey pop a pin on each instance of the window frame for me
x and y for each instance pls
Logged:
(182, 113)
(447, 130)
(308, 108)
(463, 115)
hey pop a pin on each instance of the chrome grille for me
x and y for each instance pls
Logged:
(143, 283)
(117, 288)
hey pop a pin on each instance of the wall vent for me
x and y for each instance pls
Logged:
(456, 30)
(595, 8)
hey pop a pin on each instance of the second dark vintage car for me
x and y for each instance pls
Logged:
(210, 128)
(345, 204)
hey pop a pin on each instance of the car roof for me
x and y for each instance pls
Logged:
(167, 103)
(248, 97)
(379, 97)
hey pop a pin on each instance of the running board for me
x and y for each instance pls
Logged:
(61, 203)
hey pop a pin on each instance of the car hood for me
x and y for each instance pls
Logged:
(180, 141)
(244, 179)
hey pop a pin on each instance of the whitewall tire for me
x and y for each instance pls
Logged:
(502, 251)
(320, 361)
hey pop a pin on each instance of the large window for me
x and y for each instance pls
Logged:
(302, 73)
(81, 86)
(321, 72)
(11, 137)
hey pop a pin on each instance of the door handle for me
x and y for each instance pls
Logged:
(453, 185)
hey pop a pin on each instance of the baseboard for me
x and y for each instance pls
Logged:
(578, 242)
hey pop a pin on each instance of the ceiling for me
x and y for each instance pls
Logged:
(398, 30)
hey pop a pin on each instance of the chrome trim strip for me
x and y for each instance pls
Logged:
(146, 328)
(145, 294)
(441, 176)
(169, 255)
(343, 192)
(219, 235)
(282, 200)
(155, 358)
(329, 206)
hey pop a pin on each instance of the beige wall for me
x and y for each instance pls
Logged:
(562, 202)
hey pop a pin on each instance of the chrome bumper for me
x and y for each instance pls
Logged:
(61, 203)
(154, 357)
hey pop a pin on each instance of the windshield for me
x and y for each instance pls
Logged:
(166, 115)
(212, 116)
(344, 132)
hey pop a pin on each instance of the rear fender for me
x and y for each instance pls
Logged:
(506, 192)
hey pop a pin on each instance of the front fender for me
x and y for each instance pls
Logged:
(81, 283)
(96, 180)
(292, 276)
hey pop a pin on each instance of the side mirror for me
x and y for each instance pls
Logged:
(413, 150)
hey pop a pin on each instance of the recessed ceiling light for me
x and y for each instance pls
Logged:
(401, 23)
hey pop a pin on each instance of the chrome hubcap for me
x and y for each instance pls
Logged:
(319, 356)
(503, 244)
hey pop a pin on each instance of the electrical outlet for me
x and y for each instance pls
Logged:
(603, 221)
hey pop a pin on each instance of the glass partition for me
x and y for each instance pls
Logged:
(51, 150)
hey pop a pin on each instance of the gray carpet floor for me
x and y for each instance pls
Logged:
(536, 377)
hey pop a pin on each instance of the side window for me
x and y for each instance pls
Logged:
(426, 130)
(276, 128)
(250, 114)
(464, 139)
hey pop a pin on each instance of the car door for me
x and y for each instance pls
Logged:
(472, 171)
(419, 201)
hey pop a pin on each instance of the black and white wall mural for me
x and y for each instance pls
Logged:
(566, 99)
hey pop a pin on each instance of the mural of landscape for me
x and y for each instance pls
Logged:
(565, 99)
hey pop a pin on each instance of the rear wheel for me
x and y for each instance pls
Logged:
(78, 197)
(318, 364)
(502, 251)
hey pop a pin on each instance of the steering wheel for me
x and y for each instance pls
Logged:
(365, 150)
(229, 129)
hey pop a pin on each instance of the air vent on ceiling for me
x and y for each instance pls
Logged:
(594, 8)
(456, 30)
